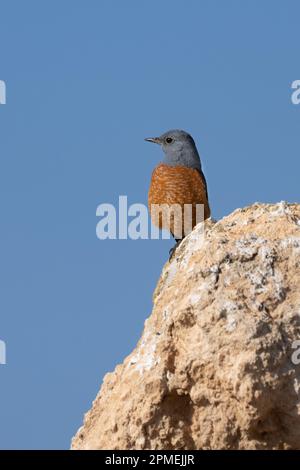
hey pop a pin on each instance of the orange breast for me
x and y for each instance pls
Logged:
(177, 186)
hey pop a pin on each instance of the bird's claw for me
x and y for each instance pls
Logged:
(173, 249)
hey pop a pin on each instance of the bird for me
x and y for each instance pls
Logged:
(177, 182)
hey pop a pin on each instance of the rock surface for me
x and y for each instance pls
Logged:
(215, 367)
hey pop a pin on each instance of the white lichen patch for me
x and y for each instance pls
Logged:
(246, 248)
(280, 209)
(194, 298)
(290, 242)
(279, 285)
(228, 306)
(231, 323)
(171, 273)
(195, 241)
(297, 386)
(145, 358)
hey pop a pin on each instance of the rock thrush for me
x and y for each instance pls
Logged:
(178, 181)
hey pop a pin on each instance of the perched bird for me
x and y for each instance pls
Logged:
(176, 182)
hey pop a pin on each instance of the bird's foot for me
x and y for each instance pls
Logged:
(173, 249)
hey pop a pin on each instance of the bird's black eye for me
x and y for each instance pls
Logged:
(169, 140)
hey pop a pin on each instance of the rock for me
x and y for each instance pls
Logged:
(214, 366)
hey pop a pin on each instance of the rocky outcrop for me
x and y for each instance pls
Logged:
(216, 366)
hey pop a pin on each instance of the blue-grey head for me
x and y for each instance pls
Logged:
(179, 149)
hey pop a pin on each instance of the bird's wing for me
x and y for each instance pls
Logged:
(204, 182)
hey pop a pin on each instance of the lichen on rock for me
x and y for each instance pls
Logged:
(213, 368)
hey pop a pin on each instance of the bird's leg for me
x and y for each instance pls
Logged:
(173, 249)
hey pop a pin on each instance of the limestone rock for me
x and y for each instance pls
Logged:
(215, 367)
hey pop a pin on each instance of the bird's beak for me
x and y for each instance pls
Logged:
(155, 140)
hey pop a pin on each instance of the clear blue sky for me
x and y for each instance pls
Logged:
(86, 82)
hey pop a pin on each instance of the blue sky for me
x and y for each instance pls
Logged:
(86, 82)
